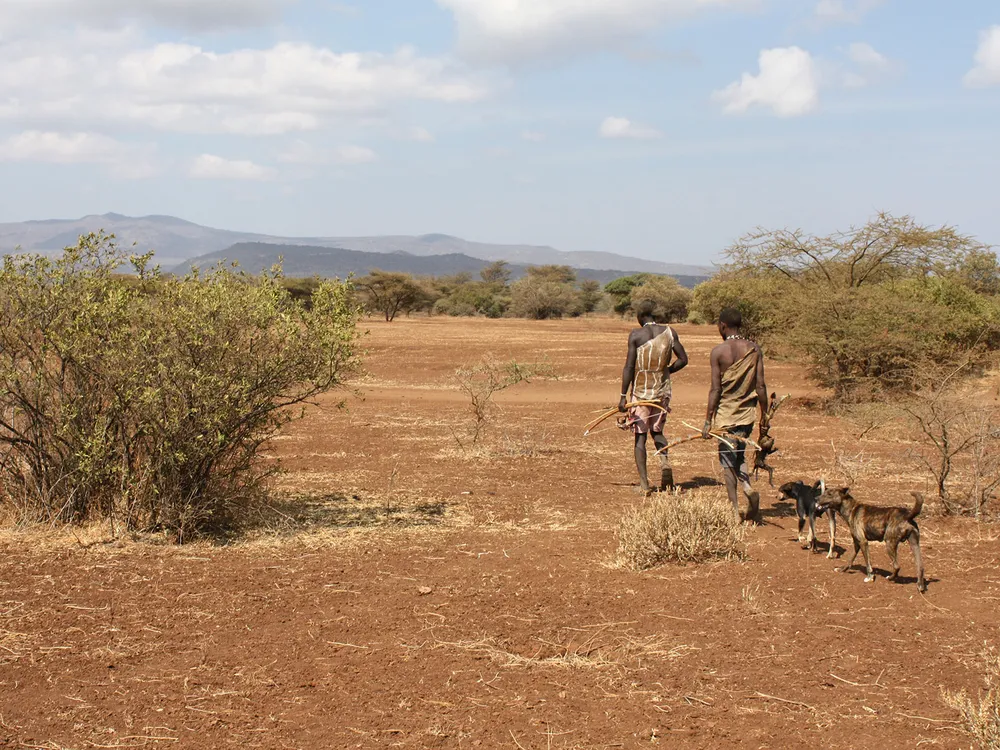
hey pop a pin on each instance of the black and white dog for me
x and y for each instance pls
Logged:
(806, 498)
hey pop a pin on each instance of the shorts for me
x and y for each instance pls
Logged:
(645, 419)
(731, 458)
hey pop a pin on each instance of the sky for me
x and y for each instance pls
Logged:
(662, 129)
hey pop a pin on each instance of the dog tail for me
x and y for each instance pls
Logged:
(916, 507)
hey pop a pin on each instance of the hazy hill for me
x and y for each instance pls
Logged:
(176, 240)
(303, 260)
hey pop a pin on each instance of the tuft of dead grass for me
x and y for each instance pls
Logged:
(694, 527)
(980, 716)
(594, 649)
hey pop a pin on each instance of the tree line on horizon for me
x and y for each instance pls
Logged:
(545, 292)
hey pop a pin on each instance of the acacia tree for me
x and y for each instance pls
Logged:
(887, 247)
(390, 293)
(868, 306)
(590, 295)
(620, 290)
(497, 273)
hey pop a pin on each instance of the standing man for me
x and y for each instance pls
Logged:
(647, 375)
(737, 400)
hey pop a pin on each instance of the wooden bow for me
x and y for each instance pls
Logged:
(611, 412)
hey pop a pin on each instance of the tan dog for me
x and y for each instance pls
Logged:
(873, 523)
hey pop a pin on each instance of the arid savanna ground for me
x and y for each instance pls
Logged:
(419, 594)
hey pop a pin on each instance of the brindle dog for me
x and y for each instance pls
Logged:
(872, 523)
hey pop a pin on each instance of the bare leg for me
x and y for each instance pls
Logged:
(753, 497)
(666, 473)
(640, 460)
(732, 482)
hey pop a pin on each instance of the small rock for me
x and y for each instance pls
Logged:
(425, 590)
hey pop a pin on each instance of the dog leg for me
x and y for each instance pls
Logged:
(833, 536)
(915, 546)
(812, 532)
(857, 549)
(869, 573)
(802, 525)
(892, 546)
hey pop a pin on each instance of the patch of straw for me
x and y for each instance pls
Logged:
(694, 527)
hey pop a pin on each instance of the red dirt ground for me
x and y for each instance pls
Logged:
(458, 599)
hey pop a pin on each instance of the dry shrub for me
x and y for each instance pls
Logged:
(148, 401)
(981, 716)
(695, 527)
(484, 380)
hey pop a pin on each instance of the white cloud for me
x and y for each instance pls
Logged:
(830, 12)
(870, 66)
(305, 154)
(420, 135)
(532, 136)
(987, 69)
(193, 15)
(354, 155)
(621, 127)
(516, 31)
(64, 80)
(211, 167)
(124, 160)
(787, 84)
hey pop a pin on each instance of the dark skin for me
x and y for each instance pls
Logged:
(724, 356)
(636, 339)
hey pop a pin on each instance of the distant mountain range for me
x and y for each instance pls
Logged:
(178, 242)
(304, 260)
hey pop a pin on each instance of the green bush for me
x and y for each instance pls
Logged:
(538, 298)
(670, 300)
(763, 300)
(888, 337)
(620, 290)
(148, 403)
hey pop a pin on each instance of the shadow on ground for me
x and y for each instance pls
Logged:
(343, 511)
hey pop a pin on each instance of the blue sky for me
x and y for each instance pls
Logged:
(656, 128)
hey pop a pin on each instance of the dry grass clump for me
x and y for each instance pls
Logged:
(981, 716)
(600, 650)
(693, 527)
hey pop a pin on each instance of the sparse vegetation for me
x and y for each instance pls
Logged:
(960, 436)
(693, 527)
(981, 715)
(481, 382)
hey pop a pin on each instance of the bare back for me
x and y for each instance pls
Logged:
(738, 386)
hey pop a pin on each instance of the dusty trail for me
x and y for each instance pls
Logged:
(491, 619)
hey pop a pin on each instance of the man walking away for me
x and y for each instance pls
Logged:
(647, 372)
(737, 400)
